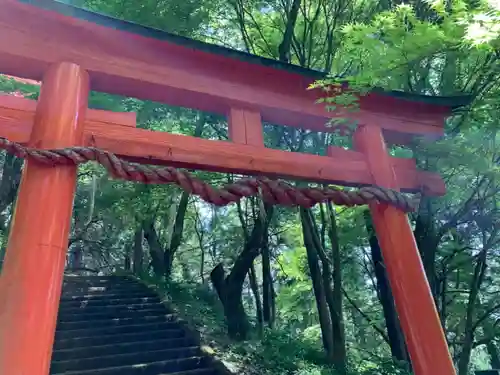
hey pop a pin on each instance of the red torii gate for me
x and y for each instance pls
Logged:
(73, 50)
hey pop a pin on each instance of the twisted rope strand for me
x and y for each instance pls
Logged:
(273, 191)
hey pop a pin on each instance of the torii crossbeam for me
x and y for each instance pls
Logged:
(73, 50)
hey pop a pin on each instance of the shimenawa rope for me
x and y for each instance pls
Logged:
(273, 191)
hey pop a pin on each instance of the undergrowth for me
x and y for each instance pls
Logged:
(275, 352)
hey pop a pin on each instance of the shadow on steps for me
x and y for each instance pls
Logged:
(114, 325)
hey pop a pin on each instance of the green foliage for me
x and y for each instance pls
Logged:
(12, 86)
(481, 20)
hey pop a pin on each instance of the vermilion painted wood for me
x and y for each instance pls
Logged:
(17, 115)
(32, 273)
(196, 153)
(245, 127)
(115, 132)
(146, 68)
(414, 302)
(18, 108)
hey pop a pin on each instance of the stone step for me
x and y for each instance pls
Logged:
(200, 371)
(92, 302)
(126, 359)
(103, 296)
(113, 314)
(117, 326)
(114, 285)
(71, 290)
(120, 348)
(78, 342)
(86, 310)
(97, 277)
(100, 281)
(154, 368)
(116, 330)
(142, 319)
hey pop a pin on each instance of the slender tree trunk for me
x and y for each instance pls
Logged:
(127, 261)
(319, 290)
(273, 307)
(337, 287)
(427, 242)
(176, 238)
(178, 229)
(2, 256)
(443, 290)
(252, 277)
(202, 265)
(286, 44)
(267, 284)
(155, 250)
(138, 255)
(75, 258)
(338, 350)
(468, 335)
(394, 332)
(11, 178)
(494, 356)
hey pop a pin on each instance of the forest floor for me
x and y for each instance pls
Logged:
(267, 352)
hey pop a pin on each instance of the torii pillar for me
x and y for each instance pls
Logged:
(33, 269)
(415, 305)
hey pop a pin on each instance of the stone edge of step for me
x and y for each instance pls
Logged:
(191, 332)
(214, 362)
(194, 351)
(107, 346)
(96, 372)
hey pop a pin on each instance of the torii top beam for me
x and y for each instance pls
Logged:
(128, 59)
(132, 60)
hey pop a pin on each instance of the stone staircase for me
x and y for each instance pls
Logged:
(116, 326)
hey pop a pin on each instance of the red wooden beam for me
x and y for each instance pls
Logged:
(220, 156)
(18, 114)
(124, 63)
(115, 132)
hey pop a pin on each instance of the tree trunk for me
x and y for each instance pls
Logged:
(494, 356)
(178, 229)
(317, 282)
(176, 238)
(286, 44)
(468, 336)
(75, 258)
(394, 332)
(138, 255)
(252, 277)
(267, 284)
(11, 178)
(127, 260)
(336, 305)
(155, 249)
(427, 243)
(231, 299)
(334, 308)
(202, 265)
(230, 288)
